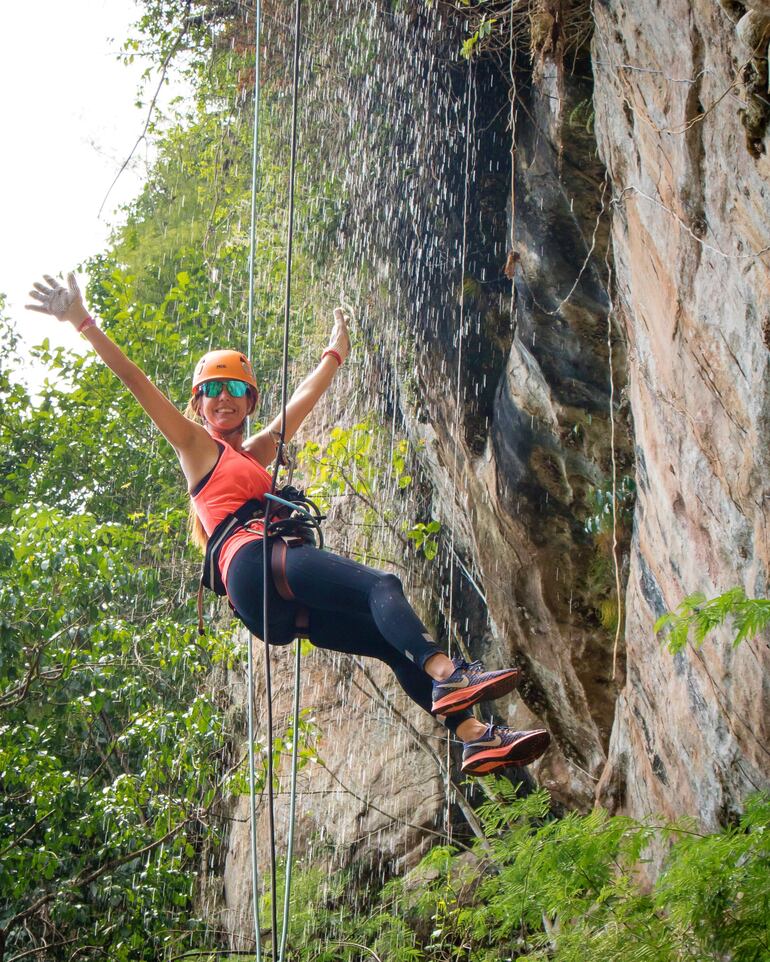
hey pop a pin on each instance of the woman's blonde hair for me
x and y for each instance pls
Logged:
(195, 529)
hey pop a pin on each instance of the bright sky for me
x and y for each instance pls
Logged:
(69, 121)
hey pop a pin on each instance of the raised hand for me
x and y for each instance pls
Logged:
(339, 340)
(63, 303)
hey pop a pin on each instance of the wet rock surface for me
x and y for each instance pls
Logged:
(690, 214)
(370, 801)
(505, 388)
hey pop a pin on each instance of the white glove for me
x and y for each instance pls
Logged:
(64, 303)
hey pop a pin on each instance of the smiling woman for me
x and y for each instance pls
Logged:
(349, 607)
(224, 387)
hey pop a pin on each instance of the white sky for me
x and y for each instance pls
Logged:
(69, 121)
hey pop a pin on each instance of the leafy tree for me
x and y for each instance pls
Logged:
(110, 746)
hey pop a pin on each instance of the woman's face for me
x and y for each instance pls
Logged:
(225, 413)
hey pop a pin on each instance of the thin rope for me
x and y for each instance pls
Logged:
(269, 702)
(250, 336)
(254, 180)
(616, 566)
(292, 800)
(276, 469)
(456, 432)
(513, 95)
(289, 241)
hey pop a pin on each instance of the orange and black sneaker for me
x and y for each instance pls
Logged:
(471, 683)
(500, 746)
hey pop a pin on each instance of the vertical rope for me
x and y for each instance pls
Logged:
(514, 91)
(289, 240)
(616, 566)
(276, 469)
(254, 179)
(456, 431)
(250, 337)
(292, 800)
(269, 702)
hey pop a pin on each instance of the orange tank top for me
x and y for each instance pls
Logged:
(235, 478)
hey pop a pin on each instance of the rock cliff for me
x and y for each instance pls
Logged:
(630, 352)
(689, 172)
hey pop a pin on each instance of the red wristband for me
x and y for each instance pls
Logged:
(334, 354)
(86, 323)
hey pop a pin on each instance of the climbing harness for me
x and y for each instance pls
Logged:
(297, 520)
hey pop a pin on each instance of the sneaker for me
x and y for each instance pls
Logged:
(469, 684)
(500, 746)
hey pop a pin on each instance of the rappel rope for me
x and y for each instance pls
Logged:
(456, 431)
(271, 499)
(250, 337)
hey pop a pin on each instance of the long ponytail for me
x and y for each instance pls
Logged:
(195, 529)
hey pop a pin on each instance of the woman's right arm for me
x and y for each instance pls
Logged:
(195, 449)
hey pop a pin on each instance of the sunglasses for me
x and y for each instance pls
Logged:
(215, 388)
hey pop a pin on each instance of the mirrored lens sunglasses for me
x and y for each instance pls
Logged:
(215, 388)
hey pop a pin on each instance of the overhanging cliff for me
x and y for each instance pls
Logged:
(628, 356)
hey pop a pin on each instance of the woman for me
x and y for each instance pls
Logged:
(351, 608)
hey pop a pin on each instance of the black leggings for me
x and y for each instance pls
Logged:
(353, 609)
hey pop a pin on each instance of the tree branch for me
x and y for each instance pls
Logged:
(163, 71)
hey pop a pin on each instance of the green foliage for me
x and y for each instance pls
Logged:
(696, 613)
(716, 888)
(424, 537)
(109, 747)
(599, 587)
(353, 461)
(343, 465)
(361, 462)
(599, 522)
(236, 781)
(473, 42)
(583, 115)
(565, 890)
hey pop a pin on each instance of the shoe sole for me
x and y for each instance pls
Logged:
(522, 752)
(486, 691)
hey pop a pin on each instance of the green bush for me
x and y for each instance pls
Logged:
(565, 890)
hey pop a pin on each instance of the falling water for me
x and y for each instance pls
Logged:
(414, 144)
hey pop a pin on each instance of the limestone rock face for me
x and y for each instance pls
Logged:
(690, 237)
(371, 801)
(640, 287)
(518, 504)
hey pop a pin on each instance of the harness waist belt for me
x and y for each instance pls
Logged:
(248, 511)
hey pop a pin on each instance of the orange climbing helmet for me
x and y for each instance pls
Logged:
(224, 365)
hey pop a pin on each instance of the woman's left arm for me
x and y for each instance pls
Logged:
(263, 444)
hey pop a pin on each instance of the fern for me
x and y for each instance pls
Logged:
(696, 613)
(716, 889)
(561, 890)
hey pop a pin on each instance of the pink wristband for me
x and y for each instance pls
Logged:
(86, 323)
(334, 354)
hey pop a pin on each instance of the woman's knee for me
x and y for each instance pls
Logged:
(387, 585)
